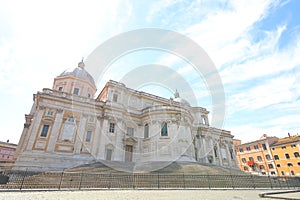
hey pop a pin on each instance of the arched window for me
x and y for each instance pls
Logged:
(164, 129)
(216, 151)
(231, 153)
(146, 131)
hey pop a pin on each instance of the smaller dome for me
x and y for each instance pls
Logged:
(79, 72)
(179, 99)
(182, 101)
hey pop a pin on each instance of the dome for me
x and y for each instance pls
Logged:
(79, 72)
(179, 99)
(182, 101)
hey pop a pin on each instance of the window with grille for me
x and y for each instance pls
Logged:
(111, 127)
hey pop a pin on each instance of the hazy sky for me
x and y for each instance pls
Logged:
(254, 44)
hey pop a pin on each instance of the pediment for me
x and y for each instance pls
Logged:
(130, 140)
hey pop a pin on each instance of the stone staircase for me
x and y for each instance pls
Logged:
(179, 175)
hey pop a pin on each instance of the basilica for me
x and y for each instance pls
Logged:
(67, 127)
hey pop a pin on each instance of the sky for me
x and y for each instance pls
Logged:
(255, 46)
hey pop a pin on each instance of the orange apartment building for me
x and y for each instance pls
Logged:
(256, 157)
(286, 156)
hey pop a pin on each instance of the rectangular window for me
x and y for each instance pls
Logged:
(115, 97)
(250, 158)
(270, 166)
(111, 127)
(293, 146)
(243, 160)
(88, 136)
(60, 89)
(44, 131)
(71, 119)
(256, 147)
(278, 165)
(283, 147)
(129, 131)
(296, 154)
(50, 112)
(248, 148)
(76, 91)
(268, 157)
(241, 149)
(276, 157)
(264, 146)
(259, 158)
(290, 164)
(287, 156)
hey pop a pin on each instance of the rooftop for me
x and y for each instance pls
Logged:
(287, 140)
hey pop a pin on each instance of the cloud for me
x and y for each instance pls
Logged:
(159, 7)
(272, 91)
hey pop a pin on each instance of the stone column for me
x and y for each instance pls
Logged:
(228, 155)
(80, 134)
(35, 127)
(96, 139)
(24, 137)
(205, 150)
(219, 154)
(55, 130)
(212, 144)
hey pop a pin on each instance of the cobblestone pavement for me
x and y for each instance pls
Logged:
(143, 194)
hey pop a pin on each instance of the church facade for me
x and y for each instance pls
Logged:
(67, 127)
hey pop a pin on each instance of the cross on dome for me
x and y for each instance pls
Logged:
(81, 64)
(176, 94)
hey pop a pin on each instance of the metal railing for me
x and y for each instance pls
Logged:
(24, 180)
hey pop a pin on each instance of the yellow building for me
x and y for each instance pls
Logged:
(286, 156)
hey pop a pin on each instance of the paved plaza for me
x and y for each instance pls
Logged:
(144, 194)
